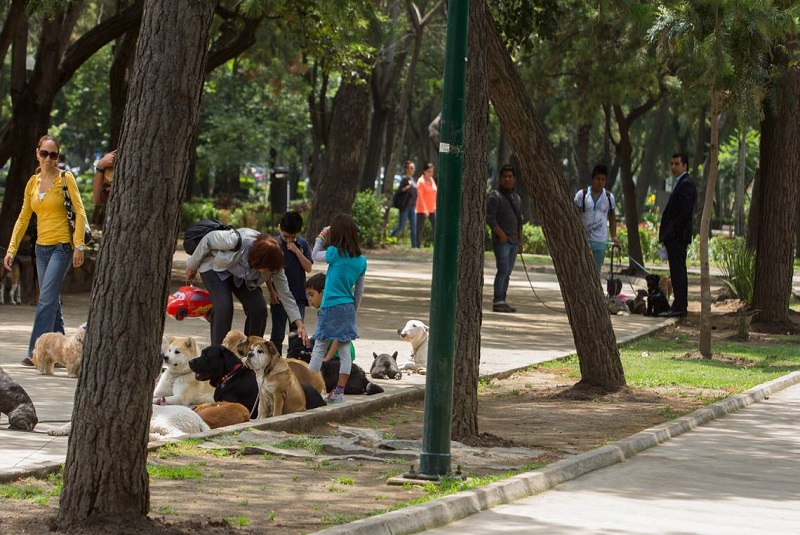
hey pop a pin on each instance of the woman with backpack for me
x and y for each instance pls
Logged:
(236, 262)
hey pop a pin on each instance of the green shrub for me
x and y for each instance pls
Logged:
(533, 241)
(251, 215)
(716, 247)
(648, 239)
(738, 265)
(368, 215)
(194, 211)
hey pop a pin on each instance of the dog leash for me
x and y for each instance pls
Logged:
(530, 283)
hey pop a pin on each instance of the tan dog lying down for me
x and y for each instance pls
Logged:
(177, 384)
(222, 413)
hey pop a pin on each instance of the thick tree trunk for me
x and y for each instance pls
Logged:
(582, 152)
(344, 155)
(105, 477)
(472, 242)
(754, 217)
(780, 173)
(588, 317)
(741, 170)
(705, 231)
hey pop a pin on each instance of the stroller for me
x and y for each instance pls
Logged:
(614, 283)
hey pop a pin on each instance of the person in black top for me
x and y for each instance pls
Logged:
(505, 220)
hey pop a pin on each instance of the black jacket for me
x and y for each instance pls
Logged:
(676, 222)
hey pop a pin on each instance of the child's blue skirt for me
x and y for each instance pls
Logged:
(337, 323)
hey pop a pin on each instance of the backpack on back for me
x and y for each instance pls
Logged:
(399, 199)
(586, 192)
(195, 233)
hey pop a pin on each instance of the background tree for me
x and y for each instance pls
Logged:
(588, 317)
(105, 477)
(472, 238)
(778, 190)
(736, 39)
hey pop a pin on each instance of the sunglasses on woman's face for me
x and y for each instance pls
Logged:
(45, 154)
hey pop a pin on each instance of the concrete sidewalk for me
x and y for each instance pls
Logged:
(396, 291)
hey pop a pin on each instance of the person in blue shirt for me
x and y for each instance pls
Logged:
(344, 286)
(296, 263)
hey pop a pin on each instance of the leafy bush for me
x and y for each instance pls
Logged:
(368, 215)
(738, 265)
(716, 247)
(648, 239)
(250, 215)
(194, 211)
(533, 241)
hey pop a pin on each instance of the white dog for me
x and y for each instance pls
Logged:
(416, 333)
(178, 385)
(166, 422)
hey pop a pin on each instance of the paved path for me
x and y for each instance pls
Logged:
(739, 474)
(396, 291)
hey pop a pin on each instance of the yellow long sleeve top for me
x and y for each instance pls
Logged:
(51, 215)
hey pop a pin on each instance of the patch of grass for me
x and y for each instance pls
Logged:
(388, 436)
(486, 384)
(386, 474)
(344, 480)
(321, 465)
(338, 518)
(392, 422)
(515, 392)
(244, 503)
(239, 521)
(272, 457)
(669, 414)
(370, 422)
(188, 471)
(166, 510)
(184, 447)
(295, 478)
(334, 488)
(312, 445)
(22, 491)
(271, 516)
(661, 367)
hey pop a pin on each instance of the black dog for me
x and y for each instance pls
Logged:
(656, 301)
(16, 404)
(357, 383)
(232, 380)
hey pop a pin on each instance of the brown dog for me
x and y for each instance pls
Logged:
(55, 348)
(222, 413)
(665, 285)
(277, 384)
(239, 344)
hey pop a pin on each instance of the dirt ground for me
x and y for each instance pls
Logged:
(259, 493)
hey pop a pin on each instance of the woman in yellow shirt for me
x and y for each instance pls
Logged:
(44, 196)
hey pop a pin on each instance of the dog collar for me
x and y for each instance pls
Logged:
(230, 373)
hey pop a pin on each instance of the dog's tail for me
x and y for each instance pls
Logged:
(372, 388)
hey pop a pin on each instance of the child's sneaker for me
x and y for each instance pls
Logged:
(335, 396)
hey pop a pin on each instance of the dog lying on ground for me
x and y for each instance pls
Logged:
(16, 404)
(416, 333)
(384, 366)
(177, 384)
(617, 306)
(55, 348)
(10, 278)
(656, 301)
(222, 413)
(639, 304)
(357, 383)
(167, 421)
(231, 379)
(238, 340)
(277, 384)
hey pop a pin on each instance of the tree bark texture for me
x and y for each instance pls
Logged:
(472, 239)
(780, 173)
(344, 155)
(105, 478)
(32, 98)
(705, 230)
(566, 238)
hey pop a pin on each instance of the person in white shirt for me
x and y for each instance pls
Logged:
(596, 207)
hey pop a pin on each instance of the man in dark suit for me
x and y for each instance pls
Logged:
(676, 232)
